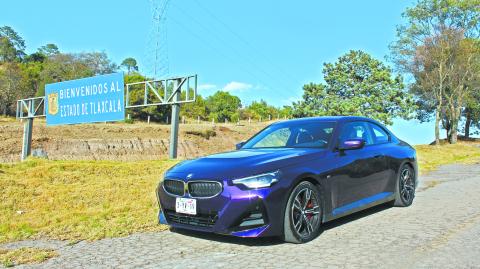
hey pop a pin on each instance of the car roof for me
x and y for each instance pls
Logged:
(328, 118)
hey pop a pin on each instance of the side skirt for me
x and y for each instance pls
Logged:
(360, 205)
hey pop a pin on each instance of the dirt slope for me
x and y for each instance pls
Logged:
(119, 141)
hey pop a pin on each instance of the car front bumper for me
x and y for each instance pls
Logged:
(235, 211)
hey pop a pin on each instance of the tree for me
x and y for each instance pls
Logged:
(431, 67)
(98, 62)
(49, 50)
(223, 106)
(131, 64)
(12, 87)
(31, 72)
(472, 111)
(157, 113)
(357, 84)
(286, 112)
(62, 67)
(35, 57)
(195, 109)
(260, 110)
(12, 45)
(432, 28)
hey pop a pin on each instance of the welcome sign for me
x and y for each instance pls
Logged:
(93, 99)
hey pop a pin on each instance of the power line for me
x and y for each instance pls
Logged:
(233, 32)
(247, 59)
(219, 51)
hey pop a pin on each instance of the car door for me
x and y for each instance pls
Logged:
(355, 177)
(380, 146)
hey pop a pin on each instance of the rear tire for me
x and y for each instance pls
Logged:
(303, 214)
(405, 190)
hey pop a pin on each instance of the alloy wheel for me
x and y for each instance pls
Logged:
(407, 185)
(305, 212)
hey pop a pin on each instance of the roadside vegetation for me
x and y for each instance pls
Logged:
(78, 200)
(430, 157)
(13, 257)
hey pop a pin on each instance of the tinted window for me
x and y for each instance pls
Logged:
(277, 138)
(355, 130)
(379, 134)
(293, 135)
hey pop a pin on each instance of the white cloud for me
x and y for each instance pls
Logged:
(237, 86)
(206, 87)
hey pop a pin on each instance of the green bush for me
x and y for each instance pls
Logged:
(207, 134)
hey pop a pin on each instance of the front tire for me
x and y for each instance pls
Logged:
(303, 214)
(405, 191)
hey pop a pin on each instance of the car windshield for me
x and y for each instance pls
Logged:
(293, 135)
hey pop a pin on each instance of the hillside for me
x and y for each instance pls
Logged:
(120, 141)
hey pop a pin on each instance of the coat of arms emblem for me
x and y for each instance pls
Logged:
(53, 103)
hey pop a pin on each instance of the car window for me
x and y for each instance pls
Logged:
(311, 136)
(293, 135)
(277, 138)
(356, 130)
(379, 134)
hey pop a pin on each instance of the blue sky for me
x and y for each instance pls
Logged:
(254, 49)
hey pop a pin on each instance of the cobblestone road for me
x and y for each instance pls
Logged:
(440, 230)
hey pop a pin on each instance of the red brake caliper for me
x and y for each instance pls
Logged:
(310, 206)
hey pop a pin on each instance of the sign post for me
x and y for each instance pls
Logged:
(175, 120)
(171, 91)
(27, 110)
(27, 134)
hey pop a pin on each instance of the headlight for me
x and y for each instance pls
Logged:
(258, 181)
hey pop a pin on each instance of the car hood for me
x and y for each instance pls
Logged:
(244, 162)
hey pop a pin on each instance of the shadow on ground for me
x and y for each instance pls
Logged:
(270, 241)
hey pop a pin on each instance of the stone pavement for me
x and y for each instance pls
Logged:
(440, 230)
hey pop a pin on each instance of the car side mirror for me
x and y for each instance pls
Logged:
(240, 145)
(349, 144)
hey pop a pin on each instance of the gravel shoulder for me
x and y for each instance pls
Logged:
(440, 230)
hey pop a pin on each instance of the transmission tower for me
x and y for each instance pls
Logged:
(157, 52)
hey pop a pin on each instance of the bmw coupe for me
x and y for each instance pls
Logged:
(290, 178)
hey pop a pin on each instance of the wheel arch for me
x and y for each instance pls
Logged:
(412, 162)
(315, 180)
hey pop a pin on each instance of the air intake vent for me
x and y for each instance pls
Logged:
(174, 187)
(200, 220)
(204, 189)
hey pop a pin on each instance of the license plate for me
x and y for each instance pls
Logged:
(186, 206)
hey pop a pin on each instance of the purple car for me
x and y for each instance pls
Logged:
(290, 178)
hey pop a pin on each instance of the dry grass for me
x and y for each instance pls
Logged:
(9, 258)
(78, 200)
(431, 157)
(4, 119)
